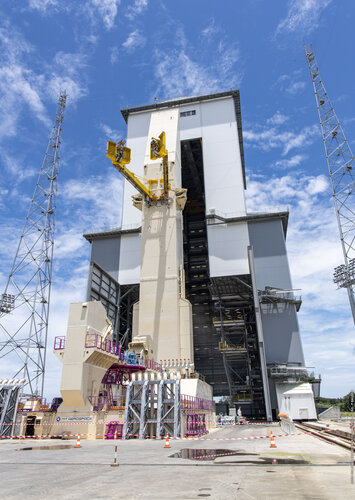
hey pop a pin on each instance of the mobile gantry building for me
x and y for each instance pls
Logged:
(246, 340)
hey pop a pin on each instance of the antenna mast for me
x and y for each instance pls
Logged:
(24, 306)
(341, 163)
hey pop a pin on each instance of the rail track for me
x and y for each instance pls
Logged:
(335, 436)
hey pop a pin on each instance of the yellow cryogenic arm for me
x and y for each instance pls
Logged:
(120, 155)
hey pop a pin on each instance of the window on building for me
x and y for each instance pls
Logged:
(188, 113)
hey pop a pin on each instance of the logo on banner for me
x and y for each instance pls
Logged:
(74, 419)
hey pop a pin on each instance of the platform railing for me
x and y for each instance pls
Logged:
(107, 402)
(94, 340)
(59, 343)
(195, 403)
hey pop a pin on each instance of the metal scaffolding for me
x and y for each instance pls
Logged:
(340, 160)
(24, 306)
(10, 391)
(152, 408)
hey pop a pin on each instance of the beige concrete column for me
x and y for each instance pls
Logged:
(162, 313)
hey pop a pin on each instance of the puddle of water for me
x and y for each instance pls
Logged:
(206, 454)
(49, 447)
(212, 454)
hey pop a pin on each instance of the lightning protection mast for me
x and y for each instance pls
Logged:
(24, 305)
(341, 163)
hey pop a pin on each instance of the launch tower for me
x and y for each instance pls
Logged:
(233, 264)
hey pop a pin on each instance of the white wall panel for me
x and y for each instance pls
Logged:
(130, 258)
(227, 249)
(224, 186)
(137, 136)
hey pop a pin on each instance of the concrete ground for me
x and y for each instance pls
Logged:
(147, 471)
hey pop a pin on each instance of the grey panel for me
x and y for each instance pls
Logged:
(106, 252)
(280, 323)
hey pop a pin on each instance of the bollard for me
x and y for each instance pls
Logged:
(115, 461)
(78, 442)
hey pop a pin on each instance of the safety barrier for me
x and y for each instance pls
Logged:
(152, 365)
(195, 425)
(114, 430)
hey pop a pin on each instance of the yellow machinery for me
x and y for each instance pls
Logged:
(120, 156)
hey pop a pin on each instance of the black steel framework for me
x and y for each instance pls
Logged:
(224, 327)
(117, 300)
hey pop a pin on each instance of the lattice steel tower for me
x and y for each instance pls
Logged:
(341, 163)
(24, 306)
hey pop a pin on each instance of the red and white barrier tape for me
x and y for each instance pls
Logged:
(45, 436)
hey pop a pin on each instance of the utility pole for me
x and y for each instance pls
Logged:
(24, 305)
(340, 160)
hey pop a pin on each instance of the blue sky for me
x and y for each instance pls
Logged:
(110, 54)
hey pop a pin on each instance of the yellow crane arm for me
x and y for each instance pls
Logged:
(158, 150)
(140, 187)
(120, 155)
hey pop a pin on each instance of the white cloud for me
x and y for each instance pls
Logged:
(110, 133)
(73, 89)
(302, 16)
(22, 87)
(135, 40)
(294, 161)
(295, 87)
(210, 30)
(180, 75)
(68, 76)
(137, 8)
(14, 165)
(277, 119)
(291, 84)
(93, 199)
(191, 70)
(42, 5)
(19, 85)
(107, 10)
(265, 138)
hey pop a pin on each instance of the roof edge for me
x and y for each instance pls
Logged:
(234, 94)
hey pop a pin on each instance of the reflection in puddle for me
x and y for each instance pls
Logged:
(50, 447)
(212, 454)
(205, 454)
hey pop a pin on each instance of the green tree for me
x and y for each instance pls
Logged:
(346, 402)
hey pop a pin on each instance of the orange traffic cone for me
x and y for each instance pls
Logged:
(78, 442)
(167, 443)
(272, 441)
